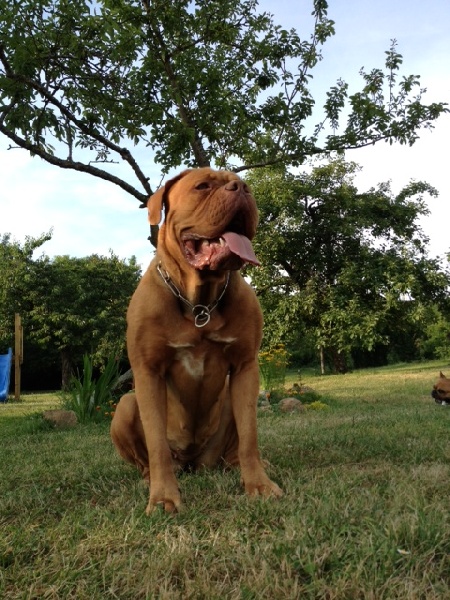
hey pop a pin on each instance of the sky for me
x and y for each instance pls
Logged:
(88, 215)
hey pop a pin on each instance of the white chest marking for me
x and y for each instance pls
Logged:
(180, 345)
(215, 337)
(193, 365)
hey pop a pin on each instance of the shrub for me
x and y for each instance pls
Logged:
(317, 405)
(272, 367)
(90, 398)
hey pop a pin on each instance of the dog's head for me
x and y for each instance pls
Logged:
(210, 219)
(441, 390)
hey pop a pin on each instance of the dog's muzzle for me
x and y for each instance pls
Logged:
(438, 399)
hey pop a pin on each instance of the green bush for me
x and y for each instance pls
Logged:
(92, 398)
(272, 367)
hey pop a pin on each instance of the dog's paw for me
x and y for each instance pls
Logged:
(168, 506)
(164, 499)
(265, 487)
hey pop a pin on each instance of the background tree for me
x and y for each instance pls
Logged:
(69, 306)
(82, 85)
(16, 270)
(78, 305)
(351, 269)
(434, 341)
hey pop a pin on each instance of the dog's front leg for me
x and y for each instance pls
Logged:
(244, 388)
(152, 402)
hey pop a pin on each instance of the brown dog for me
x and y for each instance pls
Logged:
(441, 390)
(194, 330)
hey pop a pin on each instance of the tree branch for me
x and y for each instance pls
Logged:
(76, 166)
(70, 117)
(200, 154)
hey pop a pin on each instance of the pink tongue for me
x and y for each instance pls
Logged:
(241, 245)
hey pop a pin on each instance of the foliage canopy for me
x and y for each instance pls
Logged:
(68, 305)
(349, 268)
(86, 84)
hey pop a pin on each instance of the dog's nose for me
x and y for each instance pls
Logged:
(236, 185)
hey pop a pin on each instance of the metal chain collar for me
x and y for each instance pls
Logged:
(202, 314)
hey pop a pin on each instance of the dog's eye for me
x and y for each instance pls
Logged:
(202, 186)
(440, 391)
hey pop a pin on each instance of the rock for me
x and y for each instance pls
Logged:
(60, 419)
(300, 389)
(264, 402)
(289, 405)
(305, 388)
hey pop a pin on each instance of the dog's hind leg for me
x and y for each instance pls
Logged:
(222, 448)
(128, 436)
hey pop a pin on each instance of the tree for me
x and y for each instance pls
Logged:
(78, 305)
(434, 341)
(350, 267)
(16, 262)
(81, 83)
(68, 305)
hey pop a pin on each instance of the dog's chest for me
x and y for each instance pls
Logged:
(196, 360)
(191, 362)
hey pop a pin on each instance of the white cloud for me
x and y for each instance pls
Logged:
(87, 215)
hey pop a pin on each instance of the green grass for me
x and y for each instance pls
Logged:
(365, 512)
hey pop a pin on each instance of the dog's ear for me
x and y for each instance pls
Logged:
(156, 202)
(442, 376)
(154, 205)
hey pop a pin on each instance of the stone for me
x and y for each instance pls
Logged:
(60, 419)
(289, 405)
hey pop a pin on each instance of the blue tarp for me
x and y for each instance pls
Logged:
(5, 371)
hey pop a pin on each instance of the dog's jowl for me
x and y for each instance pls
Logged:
(194, 328)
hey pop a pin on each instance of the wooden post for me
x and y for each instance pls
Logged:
(18, 354)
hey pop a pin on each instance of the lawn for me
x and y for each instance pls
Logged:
(365, 512)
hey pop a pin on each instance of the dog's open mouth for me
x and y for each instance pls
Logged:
(228, 251)
(439, 399)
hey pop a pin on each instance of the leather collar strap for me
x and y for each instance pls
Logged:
(202, 314)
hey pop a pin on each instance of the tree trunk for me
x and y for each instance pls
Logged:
(322, 361)
(339, 361)
(126, 378)
(66, 368)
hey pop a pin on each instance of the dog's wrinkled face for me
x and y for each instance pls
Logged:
(211, 218)
(441, 390)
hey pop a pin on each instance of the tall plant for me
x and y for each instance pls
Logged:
(88, 397)
(272, 367)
